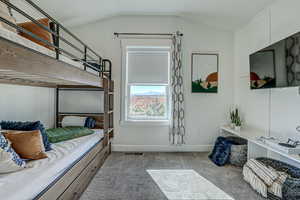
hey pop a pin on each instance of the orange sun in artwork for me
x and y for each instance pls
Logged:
(213, 77)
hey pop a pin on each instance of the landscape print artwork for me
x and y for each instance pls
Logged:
(205, 73)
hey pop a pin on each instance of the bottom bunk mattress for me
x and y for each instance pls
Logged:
(29, 182)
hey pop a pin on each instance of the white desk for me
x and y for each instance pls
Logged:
(257, 148)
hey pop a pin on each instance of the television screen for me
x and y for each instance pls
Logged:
(277, 65)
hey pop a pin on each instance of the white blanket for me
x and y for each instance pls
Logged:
(28, 183)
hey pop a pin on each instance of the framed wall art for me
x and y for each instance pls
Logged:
(205, 72)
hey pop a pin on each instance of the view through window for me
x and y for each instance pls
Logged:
(148, 102)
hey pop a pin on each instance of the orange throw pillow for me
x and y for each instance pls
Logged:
(35, 29)
(28, 144)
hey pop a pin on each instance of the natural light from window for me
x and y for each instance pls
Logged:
(148, 102)
(146, 84)
(186, 184)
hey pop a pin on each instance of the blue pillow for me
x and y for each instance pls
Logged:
(90, 122)
(221, 152)
(28, 126)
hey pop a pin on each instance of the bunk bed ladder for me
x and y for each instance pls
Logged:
(108, 86)
(106, 72)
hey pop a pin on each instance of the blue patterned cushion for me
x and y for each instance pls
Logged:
(9, 160)
(90, 122)
(221, 151)
(28, 126)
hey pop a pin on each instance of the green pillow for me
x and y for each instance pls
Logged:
(67, 133)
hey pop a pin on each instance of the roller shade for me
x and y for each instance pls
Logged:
(148, 66)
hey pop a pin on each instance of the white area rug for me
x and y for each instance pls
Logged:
(186, 185)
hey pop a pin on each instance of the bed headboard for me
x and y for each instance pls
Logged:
(98, 117)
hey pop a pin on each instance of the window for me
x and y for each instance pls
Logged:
(146, 83)
(148, 102)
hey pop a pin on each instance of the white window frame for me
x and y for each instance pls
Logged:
(125, 87)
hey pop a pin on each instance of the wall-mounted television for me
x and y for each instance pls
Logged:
(277, 65)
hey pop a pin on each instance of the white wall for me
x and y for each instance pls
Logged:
(81, 101)
(204, 112)
(274, 110)
(23, 103)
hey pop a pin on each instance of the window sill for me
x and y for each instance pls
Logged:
(145, 123)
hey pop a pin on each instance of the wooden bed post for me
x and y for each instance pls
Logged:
(111, 112)
(108, 111)
(57, 107)
(106, 108)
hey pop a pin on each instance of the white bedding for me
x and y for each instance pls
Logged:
(28, 183)
(9, 35)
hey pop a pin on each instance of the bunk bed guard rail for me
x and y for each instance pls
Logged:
(87, 56)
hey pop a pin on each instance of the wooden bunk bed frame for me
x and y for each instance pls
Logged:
(25, 66)
(74, 180)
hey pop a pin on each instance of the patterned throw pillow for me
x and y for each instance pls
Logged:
(90, 122)
(10, 161)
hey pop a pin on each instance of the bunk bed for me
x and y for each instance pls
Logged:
(25, 62)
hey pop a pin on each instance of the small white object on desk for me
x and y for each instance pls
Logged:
(275, 143)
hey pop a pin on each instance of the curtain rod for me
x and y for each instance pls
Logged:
(147, 34)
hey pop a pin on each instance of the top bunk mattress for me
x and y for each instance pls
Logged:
(14, 37)
(29, 182)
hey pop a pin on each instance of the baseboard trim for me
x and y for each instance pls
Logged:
(161, 148)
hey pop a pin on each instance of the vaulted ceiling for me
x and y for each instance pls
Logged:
(227, 14)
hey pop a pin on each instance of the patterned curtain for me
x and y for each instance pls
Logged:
(177, 128)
